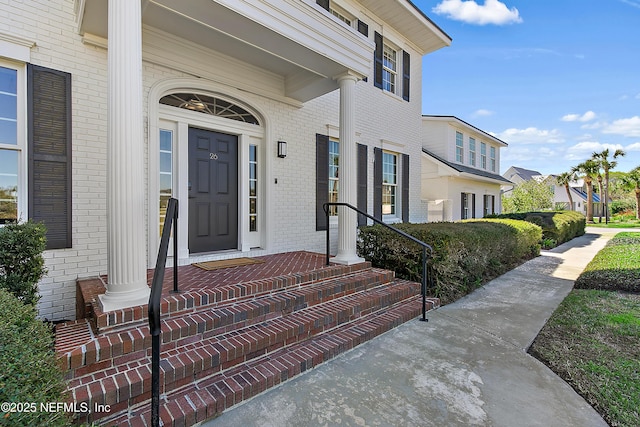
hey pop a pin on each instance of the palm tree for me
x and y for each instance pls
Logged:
(588, 170)
(564, 179)
(602, 159)
(632, 182)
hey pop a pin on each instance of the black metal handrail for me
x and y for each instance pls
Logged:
(426, 276)
(155, 327)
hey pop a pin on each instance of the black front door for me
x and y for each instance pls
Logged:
(213, 191)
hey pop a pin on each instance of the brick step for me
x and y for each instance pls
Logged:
(129, 383)
(209, 397)
(111, 348)
(176, 304)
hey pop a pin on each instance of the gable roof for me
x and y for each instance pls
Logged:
(455, 120)
(525, 174)
(467, 170)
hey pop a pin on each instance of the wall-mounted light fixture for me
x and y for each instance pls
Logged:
(282, 149)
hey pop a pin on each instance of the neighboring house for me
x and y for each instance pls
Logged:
(560, 198)
(460, 169)
(578, 191)
(519, 175)
(240, 110)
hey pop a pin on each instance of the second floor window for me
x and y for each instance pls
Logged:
(472, 151)
(492, 158)
(483, 155)
(459, 147)
(389, 68)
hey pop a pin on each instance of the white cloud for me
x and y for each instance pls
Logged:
(482, 113)
(491, 12)
(594, 125)
(584, 150)
(526, 154)
(631, 3)
(588, 116)
(627, 127)
(531, 135)
(633, 147)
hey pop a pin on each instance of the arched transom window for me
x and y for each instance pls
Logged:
(209, 105)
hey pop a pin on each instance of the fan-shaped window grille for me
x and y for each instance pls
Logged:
(209, 105)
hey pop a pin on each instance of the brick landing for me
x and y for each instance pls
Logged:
(230, 334)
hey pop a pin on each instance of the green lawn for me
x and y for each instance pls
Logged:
(592, 340)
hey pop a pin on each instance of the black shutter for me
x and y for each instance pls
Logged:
(323, 4)
(363, 28)
(377, 183)
(405, 188)
(462, 198)
(362, 183)
(322, 179)
(377, 60)
(49, 133)
(406, 73)
(493, 204)
(473, 205)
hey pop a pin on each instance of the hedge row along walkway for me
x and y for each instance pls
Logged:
(467, 366)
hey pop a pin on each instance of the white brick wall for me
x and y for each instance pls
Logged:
(381, 121)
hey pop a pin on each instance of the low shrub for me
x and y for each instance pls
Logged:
(29, 372)
(466, 254)
(560, 226)
(621, 206)
(21, 261)
(616, 267)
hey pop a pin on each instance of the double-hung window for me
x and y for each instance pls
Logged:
(389, 183)
(472, 151)
(389, 68)
(483, 155)
(492, 158)
(11, 143)
(459, 147)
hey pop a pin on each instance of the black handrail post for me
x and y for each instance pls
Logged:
(155, 328)
(326, 213)
(175, 249)
(424, 284)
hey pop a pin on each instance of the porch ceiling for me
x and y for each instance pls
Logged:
(292, 39)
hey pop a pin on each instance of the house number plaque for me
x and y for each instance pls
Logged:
(213, 156)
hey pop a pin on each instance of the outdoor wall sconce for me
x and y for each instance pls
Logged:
(282, 149)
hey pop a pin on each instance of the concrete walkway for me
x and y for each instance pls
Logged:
(467, 366)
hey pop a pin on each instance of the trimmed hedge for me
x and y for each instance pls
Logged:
(21, 261)
(616, 267)
(466, 254)
(29, 371)
(559, 226)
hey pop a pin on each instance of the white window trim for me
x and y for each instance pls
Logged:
(389, 46)
(21, 135)
(459, 148)
(397, 216)
(472, 152)
(333, 219)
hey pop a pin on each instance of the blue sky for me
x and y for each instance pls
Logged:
(555, 79)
